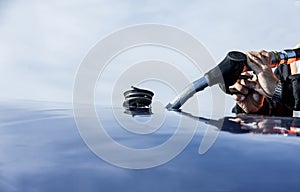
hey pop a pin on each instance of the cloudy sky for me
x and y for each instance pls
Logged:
(44, 42)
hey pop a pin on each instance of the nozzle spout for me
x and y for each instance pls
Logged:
(188, 92)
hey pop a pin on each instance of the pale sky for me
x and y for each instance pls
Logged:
(44, 42)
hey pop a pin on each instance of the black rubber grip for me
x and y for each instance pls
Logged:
(228, 71)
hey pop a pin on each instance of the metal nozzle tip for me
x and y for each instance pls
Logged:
(169, 107)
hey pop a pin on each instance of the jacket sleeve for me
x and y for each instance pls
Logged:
(269, 107)
(291, 92)
(291, 87)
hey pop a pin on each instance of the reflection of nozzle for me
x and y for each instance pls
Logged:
(253, 124)
(224, 124)
(225, 74)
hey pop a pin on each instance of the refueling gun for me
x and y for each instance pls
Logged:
(226, 73)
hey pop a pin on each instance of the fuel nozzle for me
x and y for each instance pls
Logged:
(225, 74)
(228, 72)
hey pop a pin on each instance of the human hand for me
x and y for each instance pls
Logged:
(247, 98)
(260, 63)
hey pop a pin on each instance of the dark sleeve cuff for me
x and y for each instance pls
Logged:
(291, 92)
(264, 110)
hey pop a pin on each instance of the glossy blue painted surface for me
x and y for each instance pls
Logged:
(41, 150)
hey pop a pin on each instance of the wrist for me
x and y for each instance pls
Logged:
(277, 95)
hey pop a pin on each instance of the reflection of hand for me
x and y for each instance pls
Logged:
(247, 98)
(267, 126)
(260, 62)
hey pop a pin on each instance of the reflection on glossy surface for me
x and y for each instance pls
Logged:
(256, 124)
(138, 111)
(41, 150)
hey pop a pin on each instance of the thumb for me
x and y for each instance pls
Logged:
(253, 61)
(249, 83)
